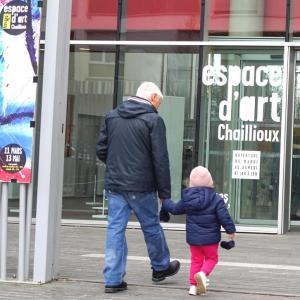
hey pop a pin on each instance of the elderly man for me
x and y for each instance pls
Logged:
(133, 145)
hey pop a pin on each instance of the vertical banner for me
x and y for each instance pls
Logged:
(19, 46)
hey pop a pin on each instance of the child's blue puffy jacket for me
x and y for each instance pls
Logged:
(205, 213)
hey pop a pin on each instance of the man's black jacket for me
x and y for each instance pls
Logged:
(132, 143)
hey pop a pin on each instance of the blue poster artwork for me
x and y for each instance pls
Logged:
(19, 46)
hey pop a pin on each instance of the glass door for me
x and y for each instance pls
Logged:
(242, 107)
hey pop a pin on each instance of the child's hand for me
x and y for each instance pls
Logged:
(231, 236)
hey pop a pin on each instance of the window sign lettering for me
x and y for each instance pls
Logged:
(252, 109)
(225, 197)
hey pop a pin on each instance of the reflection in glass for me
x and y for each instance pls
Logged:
(90, 97)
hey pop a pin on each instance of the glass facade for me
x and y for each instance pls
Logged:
(90, 97)
(91, 87)
(223, 104)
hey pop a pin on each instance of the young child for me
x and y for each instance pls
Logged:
(205, 213)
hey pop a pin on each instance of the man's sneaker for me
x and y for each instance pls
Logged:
(200, 277)
(193, 290)
(116, 288)
(172, 269)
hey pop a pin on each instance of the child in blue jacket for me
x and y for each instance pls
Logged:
(205, 214)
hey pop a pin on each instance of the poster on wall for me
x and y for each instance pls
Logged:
(245, 164)
(19, 46)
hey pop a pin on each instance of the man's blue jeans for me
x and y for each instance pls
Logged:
(145, 207)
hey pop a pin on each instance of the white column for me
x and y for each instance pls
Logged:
(51, 154)
(286, 141)
(246, 18)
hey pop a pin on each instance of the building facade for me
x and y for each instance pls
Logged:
(229, 73)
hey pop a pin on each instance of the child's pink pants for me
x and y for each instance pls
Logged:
(203, 258)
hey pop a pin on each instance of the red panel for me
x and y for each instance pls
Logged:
(94, 14)
(274, 16)
(172, 15)
(296, 16)
(163, 15)
(218, 20)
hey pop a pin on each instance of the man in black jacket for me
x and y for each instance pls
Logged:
(132, 143)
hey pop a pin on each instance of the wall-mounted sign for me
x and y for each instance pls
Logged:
(245, 164)
(19, 46)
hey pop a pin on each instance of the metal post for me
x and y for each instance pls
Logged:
(22, 211)
(53, 116)
(28, 228)
(95, 188)
(4, 208)
(286, 141)
(103, 203)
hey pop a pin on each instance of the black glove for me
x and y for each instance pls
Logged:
(227, 245)
(164, 216)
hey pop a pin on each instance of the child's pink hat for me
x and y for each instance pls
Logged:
(200, 176)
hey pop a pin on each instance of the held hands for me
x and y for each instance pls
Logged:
(164, 216)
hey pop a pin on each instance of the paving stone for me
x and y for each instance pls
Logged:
(81, 276)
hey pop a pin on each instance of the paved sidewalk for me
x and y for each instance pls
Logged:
(259, 267)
